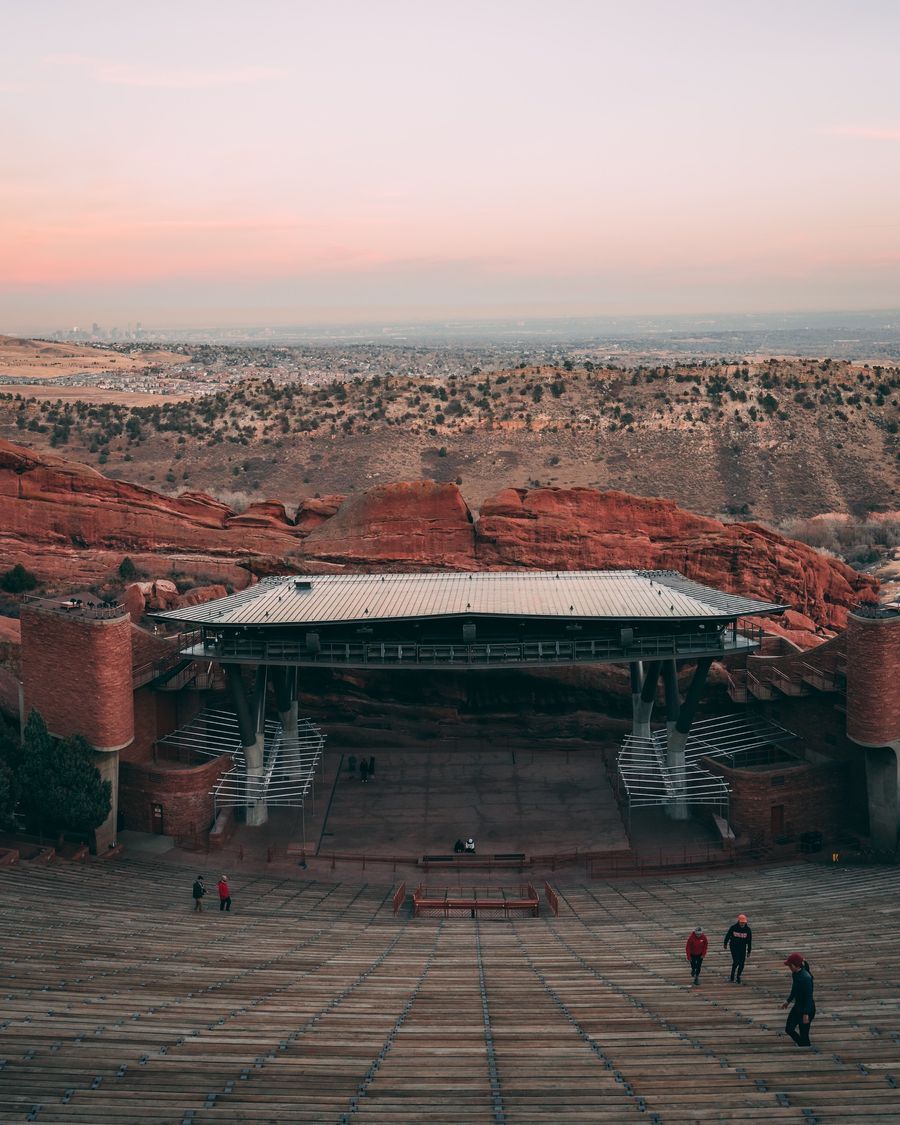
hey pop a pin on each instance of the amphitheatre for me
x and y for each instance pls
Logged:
(646, 718)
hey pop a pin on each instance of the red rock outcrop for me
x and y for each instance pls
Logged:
(268, 513)
(413, 525)
(68, 523)
(581, 528)
(200, 594)
(316, 510)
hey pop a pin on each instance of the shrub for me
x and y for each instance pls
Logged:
(18, 580)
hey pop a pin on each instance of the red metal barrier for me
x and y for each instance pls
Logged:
(496, 904)
(552, 899)
(399, 897)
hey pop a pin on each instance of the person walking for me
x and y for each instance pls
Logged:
(695, 947)
(363, 770)
(198, 892)
(740, 938)
(224, 894)
(803, 1012)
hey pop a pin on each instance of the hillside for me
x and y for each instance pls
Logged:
(770, 440)
(48, 359)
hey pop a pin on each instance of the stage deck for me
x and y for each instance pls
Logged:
(539, 802)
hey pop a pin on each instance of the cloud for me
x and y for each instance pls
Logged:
(866, 133)
(186, 78)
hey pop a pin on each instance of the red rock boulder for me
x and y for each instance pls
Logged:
(415, 525)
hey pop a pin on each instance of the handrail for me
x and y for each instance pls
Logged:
(551, 651)
(77, 607)
(150, 669)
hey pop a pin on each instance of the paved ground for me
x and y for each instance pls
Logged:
(540, 801)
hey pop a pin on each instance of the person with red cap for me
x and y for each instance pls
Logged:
(740, 938)
(695, 948)
(803, 1011)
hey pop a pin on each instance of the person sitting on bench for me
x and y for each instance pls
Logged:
(470, 845)
(459, 846)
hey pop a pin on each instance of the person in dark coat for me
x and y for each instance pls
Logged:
(198, 892)
(803, 1011)
(695, 947)
(363, 769)
(739, 938)
(224, 894)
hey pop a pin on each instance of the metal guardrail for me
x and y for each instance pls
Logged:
(78, 607)
(144, 673)
(383, 654)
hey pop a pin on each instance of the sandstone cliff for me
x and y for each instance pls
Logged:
(71, 525)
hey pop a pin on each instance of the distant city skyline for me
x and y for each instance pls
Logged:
(296, 163)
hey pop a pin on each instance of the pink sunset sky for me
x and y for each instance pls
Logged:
(285, 161)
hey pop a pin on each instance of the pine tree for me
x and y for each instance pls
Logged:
(60, 786)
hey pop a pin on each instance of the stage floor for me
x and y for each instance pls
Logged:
(419, 802)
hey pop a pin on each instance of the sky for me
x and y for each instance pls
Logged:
(289, 161)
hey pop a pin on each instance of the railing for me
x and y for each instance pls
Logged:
(787, 683)
(630, 863)
(876, 611)
(480, 901)
(77, 607)
(153, 669)
(552, 899)
(758, 688)
(399, 897)
(822, 679)
(383, 654)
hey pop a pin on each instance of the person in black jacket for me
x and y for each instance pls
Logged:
(740, 938)
(803, 1011)
(199, 891)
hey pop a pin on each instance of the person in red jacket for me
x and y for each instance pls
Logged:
(224, 894)
(695, 947)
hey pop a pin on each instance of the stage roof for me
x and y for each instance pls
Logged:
(602, 595)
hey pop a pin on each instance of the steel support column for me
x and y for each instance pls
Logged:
(252, 741)
(636, 670)
(646, 701)
(678, 808)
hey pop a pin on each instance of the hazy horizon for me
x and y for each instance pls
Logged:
(291, 163)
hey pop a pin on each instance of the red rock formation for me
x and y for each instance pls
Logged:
(65, 520)
(267, 513)
(68, 522)
(200, 594)
(142, 597)
(414, 525)
(581, 528)
(316, 510)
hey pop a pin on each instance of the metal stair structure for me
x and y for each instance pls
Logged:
(290, 758)
(649, 781)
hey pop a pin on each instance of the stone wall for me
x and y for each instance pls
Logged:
(76, 672)
(182, 791)
(158, 713)
(873, 672)
(811, 799)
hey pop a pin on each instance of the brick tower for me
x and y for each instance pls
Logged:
(77, 672)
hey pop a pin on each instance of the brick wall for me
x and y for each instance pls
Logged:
(77, 673)
(812, 798)
(158, 713)
(182, 791)
(873, 672)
